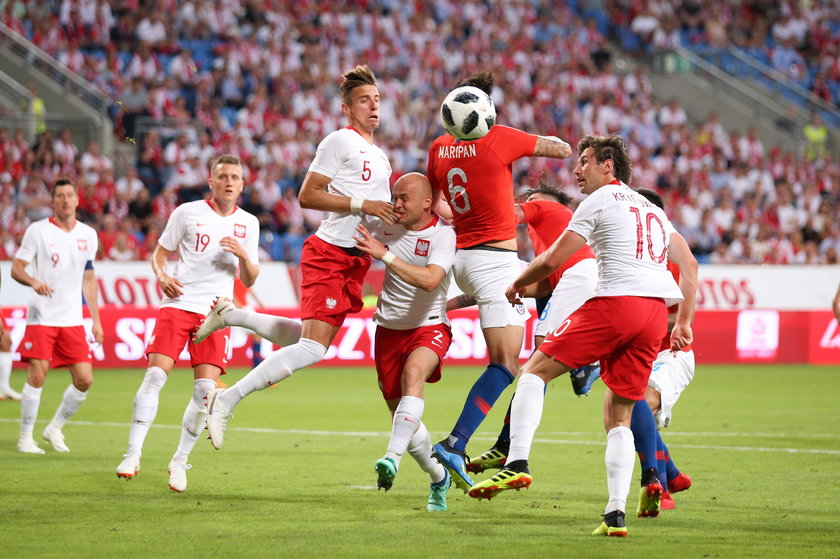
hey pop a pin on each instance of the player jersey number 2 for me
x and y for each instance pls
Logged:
(463, 205)
(646, 229)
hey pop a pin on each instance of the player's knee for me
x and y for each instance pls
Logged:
(83, 384)
(653, 399)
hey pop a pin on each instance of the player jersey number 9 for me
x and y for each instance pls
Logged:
(645, 235)
(456, 189)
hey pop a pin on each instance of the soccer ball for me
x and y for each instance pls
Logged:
(467, 113)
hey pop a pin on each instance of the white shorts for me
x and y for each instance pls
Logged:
(671, 373)
(485, 275)
(576, 286)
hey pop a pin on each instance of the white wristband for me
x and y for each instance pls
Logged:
(356, 205)
(388, 258)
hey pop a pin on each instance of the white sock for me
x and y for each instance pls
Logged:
(420, 448)
(276, 367)
(406, 420)
(145, 408)
(70, 404)
(525, 414)
(277, 329)
(193, 421)
(5, 370)
(29, 402)
(619, 458)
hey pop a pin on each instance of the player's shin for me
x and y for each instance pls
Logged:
(145, 408)
(278, 329)
(192, 422)
(420, 448)
(619, 461)
(480, 400)
(406, 421)
(525, 416)
(277, 366)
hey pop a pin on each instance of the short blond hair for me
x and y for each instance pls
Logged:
(357, 77)
(225, 159)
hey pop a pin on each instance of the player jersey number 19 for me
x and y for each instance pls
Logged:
(456, 189)
(644, 233)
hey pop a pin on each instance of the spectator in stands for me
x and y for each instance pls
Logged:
(816, 136)
(134, 101)
(95, 163)
(35, 199)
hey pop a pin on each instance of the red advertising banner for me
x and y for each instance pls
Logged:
(746, 336)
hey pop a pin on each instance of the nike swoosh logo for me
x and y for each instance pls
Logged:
(388, 234)
(200, 224)
(362, 151)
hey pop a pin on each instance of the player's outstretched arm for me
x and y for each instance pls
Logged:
(313, 195)
(552, 146)
(19, 275)
(678, 252)
(566, 245)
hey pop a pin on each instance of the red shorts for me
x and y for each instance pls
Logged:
(392, 348)
(174, 328)
(331, 281)
(60, 345)
(624, 333)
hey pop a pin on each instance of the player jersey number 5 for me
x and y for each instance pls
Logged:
(463, 205)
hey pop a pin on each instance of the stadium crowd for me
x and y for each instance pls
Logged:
(256, 79)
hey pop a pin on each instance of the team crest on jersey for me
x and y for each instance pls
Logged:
(331, 303)
(520, 308)
(27, 345)
(82, 243)
(422, 247)
(239, 231)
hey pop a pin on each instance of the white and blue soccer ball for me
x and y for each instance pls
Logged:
(467, 113)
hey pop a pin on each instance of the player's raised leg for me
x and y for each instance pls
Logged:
(280, 330)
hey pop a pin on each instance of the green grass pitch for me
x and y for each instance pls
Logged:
(296, 479)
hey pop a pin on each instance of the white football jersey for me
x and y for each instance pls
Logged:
(402, 306)
(630, 238)
(357, 169)
(58, 258)
(205, 269)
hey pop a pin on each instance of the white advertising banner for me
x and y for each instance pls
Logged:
(766, 287)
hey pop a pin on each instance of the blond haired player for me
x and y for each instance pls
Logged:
(214, 239)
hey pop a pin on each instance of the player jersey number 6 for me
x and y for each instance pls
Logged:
(455, 189)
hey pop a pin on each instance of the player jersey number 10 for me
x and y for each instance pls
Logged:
(644, 233)
(456, 189)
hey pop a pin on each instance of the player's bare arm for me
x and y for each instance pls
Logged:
(170, 286)
(426, 278)
(19, 275)
(678, 252)
(552, 146)
(313, 195)
(440, 206)
(248, 271)
(543, 265)
(90, 288)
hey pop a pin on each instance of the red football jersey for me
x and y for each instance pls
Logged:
(546, 221)
(477, 180)
(666, 341)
